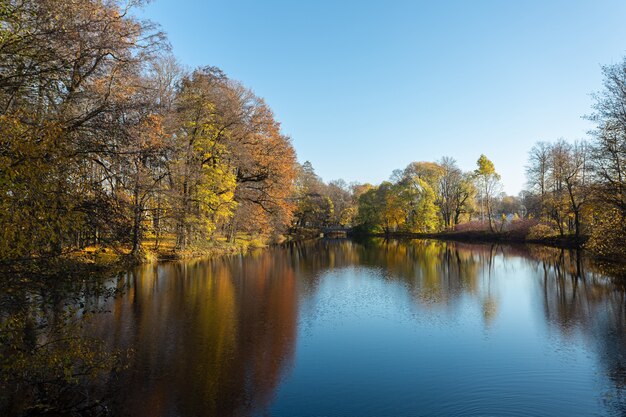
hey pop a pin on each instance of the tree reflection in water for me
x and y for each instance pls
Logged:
(218, 337)
(210, 338)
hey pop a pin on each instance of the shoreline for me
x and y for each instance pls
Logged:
(562, 242)
(116, 258)
(565, 242)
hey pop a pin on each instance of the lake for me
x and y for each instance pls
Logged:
(376, 328)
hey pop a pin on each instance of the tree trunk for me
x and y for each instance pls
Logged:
(489, 216)
(136, 220)
(181, 227)
(157, 224)
(233, 232)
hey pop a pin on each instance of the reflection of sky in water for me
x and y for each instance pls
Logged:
(374, 329)
(366, 347)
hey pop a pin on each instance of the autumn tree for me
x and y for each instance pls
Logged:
(105, 139)
(455, 192)
(314, 208)
(163, 79)
(264, 163)
(203, 186)
(146, 154)
(66, 86)
(383, 208)
(421, 180)
(488, 185)
(608, 157)
(558, 179)
(509, 205)
(369, 213)
(576, 182)
(343, 203)
(609, 146)
(537, 177)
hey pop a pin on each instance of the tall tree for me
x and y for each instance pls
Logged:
(537, 175)
(314, 208)
(422, 180)
(609, 147)
(488, 181)
(576, 182)
(264, 162)
(67, 88)
(608, 155)
(455, 192)
(203, 185)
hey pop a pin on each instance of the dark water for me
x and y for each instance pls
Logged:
(338, 328)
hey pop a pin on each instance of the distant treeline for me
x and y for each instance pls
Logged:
(575, 190)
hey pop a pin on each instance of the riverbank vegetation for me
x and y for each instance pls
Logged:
(575, 194)
(110, 150)
(110, 146)
(108, 142)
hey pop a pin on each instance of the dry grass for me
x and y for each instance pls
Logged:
(216, 247)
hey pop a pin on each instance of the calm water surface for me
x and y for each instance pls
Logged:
(338, 328)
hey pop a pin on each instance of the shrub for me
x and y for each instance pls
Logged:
(472, 226)
(608, 235)
(522, 227)
(540, 231)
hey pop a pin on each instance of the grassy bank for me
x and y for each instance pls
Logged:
(516, 231)
(485, 236)
(163, 251)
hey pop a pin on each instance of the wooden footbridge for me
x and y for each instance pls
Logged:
(335, 232)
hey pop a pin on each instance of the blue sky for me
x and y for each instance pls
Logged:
(366, 87)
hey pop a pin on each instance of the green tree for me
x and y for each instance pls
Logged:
(426, 218)
(488, 184)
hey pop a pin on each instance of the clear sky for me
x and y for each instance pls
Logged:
(366, 87)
